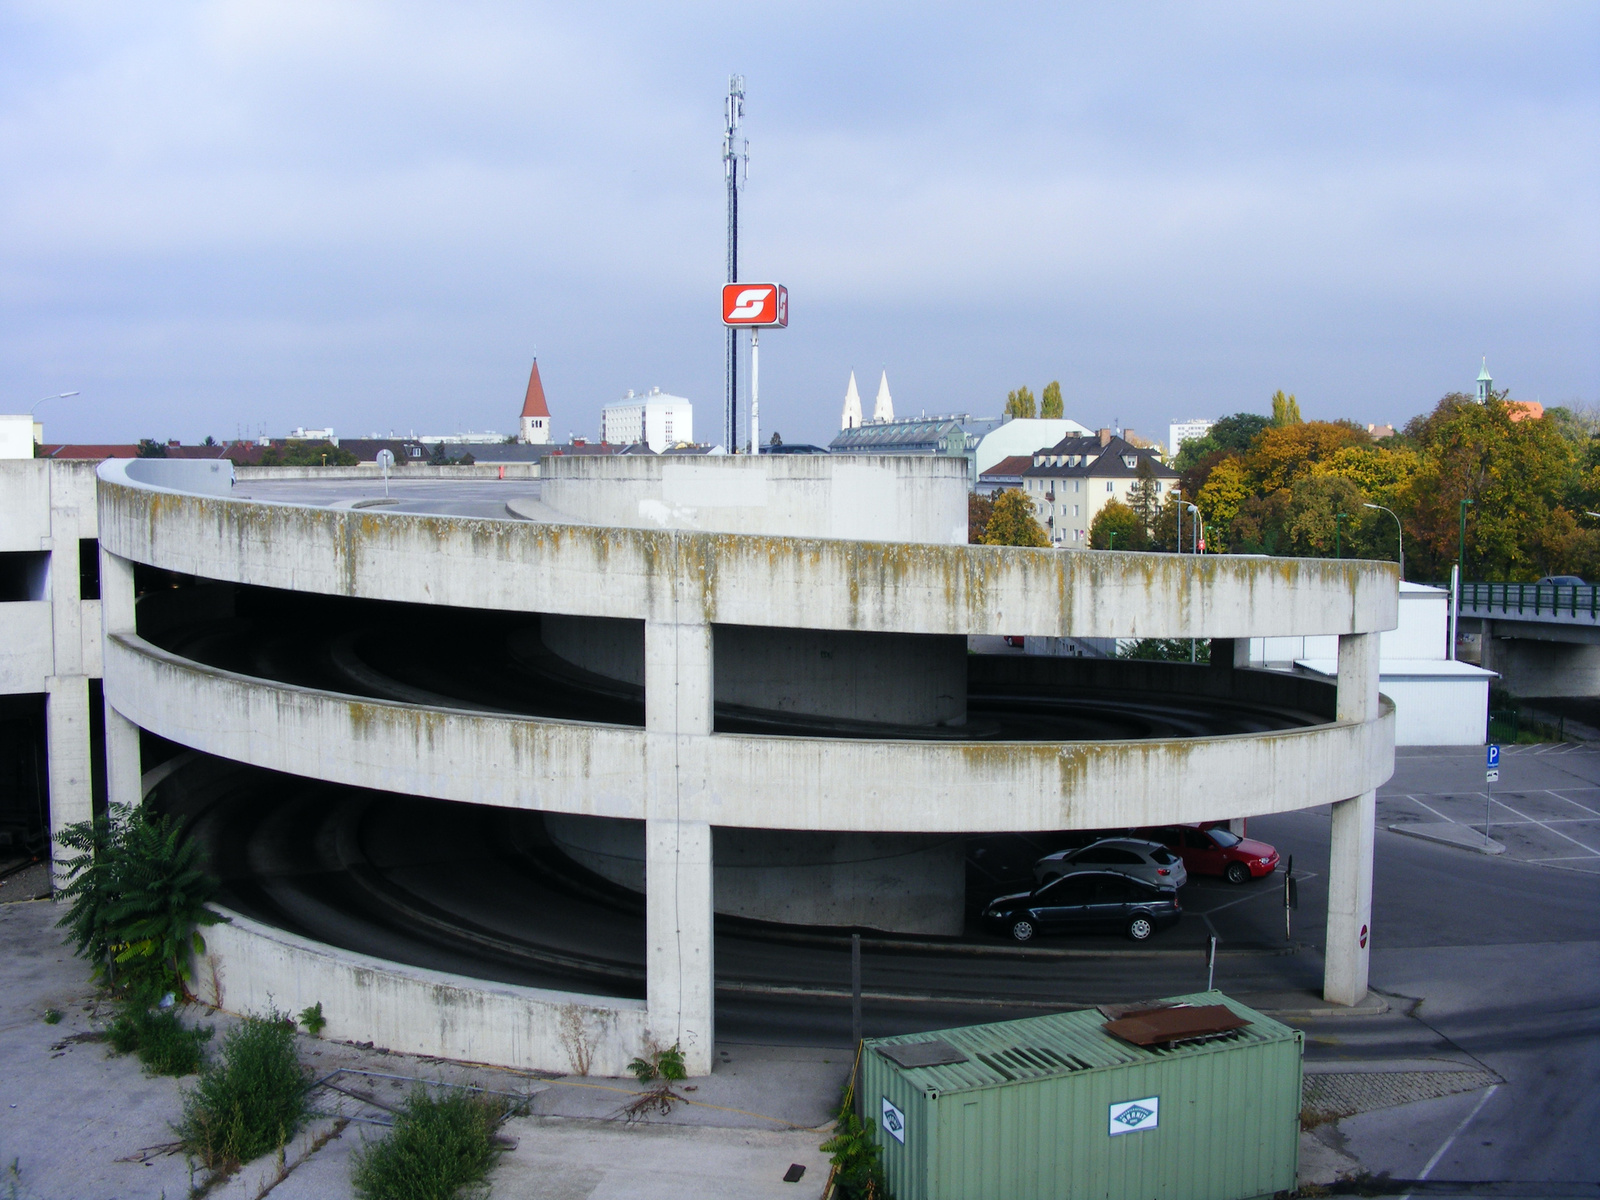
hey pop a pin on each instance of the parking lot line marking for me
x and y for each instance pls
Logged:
(1542, 825)
(1572, 802)
(1430, 808)
(1206, 912)
(1565, 858)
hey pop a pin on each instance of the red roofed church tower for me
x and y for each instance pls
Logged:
(535, 427)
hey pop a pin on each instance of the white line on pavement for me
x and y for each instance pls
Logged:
(1450, 1141)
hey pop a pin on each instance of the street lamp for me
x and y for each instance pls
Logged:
(1111, 536)
(57, 396)
(1338, 520)
(1400, 535)
(1196, 513)
(1461, 553)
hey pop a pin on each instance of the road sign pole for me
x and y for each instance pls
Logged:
(1491, 776)
(855, 989)
(1211, 963)
(755, 391)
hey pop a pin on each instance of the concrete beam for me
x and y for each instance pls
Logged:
(740, 579)
(752, 781)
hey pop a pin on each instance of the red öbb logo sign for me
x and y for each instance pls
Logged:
(756, 304)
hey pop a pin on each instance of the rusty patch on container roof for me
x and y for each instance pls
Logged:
(1176, 1024)
(933, 1053)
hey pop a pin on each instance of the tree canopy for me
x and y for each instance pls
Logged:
(1011, 522)
(1050, 406)
(1020, 403)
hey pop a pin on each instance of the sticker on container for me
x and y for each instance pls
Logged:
(1133, 1115)
(894, 1122)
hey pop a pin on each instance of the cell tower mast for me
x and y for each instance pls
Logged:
(735, 161)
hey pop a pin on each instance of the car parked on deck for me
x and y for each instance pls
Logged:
(1216, 851)
(1562, 581)
(1085, 901)
(1143, 859)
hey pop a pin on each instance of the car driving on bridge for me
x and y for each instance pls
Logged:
(1087, 901)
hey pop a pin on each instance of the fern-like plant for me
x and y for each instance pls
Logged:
(137, 892)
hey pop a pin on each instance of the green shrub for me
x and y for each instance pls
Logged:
(253, 1099)
(311, 1017)
(439, 1146)
(52, 1016)
(665, 1064)
(163, 1043)
(137, 894)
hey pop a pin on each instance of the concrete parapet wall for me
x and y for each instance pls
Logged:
(733, 579)
(903, 498)
(752, 781)
(418, 1011)
(399, 473)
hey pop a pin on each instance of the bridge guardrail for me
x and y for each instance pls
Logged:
(1532, 601)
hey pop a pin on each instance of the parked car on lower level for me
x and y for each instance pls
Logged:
(1143, 859)
(1085, 902)
(1562, 581)
(1216, 851)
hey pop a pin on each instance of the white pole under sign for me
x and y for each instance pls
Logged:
(755, 391)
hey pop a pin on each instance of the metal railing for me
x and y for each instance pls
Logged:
(1532, 601)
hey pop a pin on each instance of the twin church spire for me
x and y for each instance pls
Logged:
(882, 407)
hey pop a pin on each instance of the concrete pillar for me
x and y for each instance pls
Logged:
(1485, 642)
(123, 765)
(124, 770)
(67, 744)
(1344, 979)
(680, 963)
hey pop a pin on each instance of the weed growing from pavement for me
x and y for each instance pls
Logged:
(311, 1017)
(440, 1145)
(52, 1016)
(253, 1099)
(163, 1043)
(662, 1068)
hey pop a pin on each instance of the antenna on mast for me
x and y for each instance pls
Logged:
(735, 162)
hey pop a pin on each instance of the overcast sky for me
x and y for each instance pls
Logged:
(226, 216)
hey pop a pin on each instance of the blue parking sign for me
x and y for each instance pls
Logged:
(1491, 757)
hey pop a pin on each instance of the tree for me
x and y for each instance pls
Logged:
(1285, 409)
(1050, 406)
(1118, 519)
(1239, 431)
(979, 510)
(307, 454)
(150, 448)
(1284, 453)
(136, 892)
(776, 439)
(440, 456)
(1313, 524)
(1516, 473)
(210, 441)
(1019, 404)
(1226, 488)
(1144, 497)
(1011, 523)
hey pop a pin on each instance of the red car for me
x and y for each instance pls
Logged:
(1216, 851)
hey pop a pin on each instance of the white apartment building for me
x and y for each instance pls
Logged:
(1070, 482)
(657, 419)
(1180, 432)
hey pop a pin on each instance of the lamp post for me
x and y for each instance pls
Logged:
(1338, 521)
(1196, 513)
(1111, 536)
(1456, 573)
(57, 396)
(1461, 552)
(1400, 535)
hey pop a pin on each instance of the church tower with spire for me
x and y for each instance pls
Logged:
(1485, 383)
(535, 427)
(851, 418)
(883, 406)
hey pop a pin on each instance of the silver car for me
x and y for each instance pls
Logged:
(1149, 861)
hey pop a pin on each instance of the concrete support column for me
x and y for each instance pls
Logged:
(67, 743)
(1344, 979)
(124, 769)
(680, 963)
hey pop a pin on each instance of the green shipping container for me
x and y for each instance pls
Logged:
(1055, 1107)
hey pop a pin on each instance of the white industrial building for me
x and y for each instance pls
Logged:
(1438, 700)
(659, 420)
